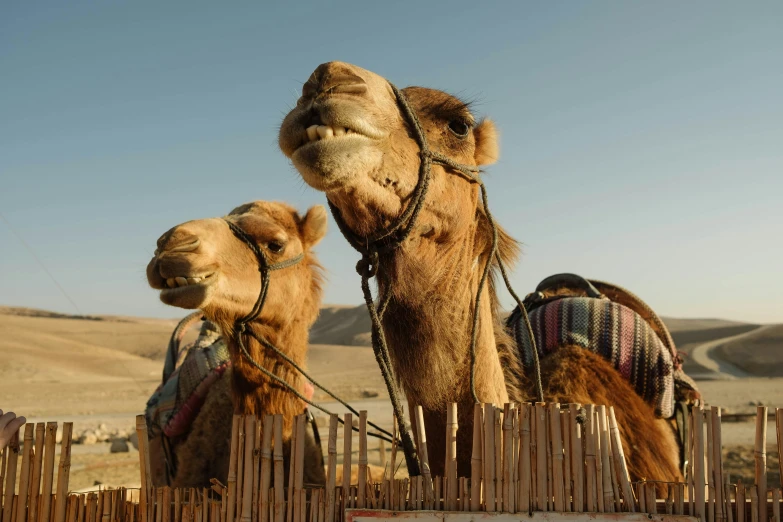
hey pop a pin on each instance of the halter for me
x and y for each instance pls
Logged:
(393, 237)
(240, 328)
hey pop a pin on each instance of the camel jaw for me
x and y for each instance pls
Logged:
(190, 296)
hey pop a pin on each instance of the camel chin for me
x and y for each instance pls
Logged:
(337, 162)
(189, 297)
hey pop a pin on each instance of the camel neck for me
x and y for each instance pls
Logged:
(255, 392)
(429, 319)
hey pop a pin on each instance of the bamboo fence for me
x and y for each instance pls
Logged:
(525, 458)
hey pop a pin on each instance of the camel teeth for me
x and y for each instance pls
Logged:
(325, 132)
(193, 280)
(171, 283)
(181, 281)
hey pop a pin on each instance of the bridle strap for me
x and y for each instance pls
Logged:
(391, 238)
(241, 328)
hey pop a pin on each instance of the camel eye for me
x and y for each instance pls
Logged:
(459, 128)
(275, 247)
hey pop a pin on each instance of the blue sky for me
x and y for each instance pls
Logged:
(642, 143)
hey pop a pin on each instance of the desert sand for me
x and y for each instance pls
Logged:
(100, 371)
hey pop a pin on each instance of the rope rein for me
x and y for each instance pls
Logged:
(392, 238)
(240, 329)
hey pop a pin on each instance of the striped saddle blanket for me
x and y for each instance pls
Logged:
(639, 348)
(188, 374)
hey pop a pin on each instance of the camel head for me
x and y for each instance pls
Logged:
(347, 138)
(202, 264)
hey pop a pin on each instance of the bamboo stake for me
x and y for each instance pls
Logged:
(691, 463)
(451, 456)
(754, 504)
(727, 500)
(24, 477)
(247, 481)
(710, 466)
(266, 467)
(508, 458)
(489, 457)
(779, 433)
(347, 442)
(498, 456)
(64, 470)
(717, 462)
(550, 506)
(297, 469)
(740, 502)
(613, 473)
(565, 430)
(555, 431)
(679, 494)
(256, 478)
(622, 470)
(362, 484)
(35, 483)
(524, 460)
(642, 494)
(165, 506)
(533, 458)
(331, 470)
(12, 450)
(476, 461)
(590, 460)
(599, 465)
(541, 460)
(606, 469)
(698, 448)
(514, 464)
(2, 480)
(279, 493)
(177, 506)
(776, 505)
(438, 481)
(761, 461)
(392, 463)
(232, 469)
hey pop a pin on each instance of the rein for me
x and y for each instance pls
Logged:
(392, 238)
(240, 328)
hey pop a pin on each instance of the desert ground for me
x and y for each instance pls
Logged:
(98, 373)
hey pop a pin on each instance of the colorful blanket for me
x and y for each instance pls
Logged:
(188, 373)
(610, 330)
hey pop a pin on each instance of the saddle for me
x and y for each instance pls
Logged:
(568, 310)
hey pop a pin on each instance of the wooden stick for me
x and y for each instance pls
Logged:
(599, 465)
(489, 457)
(717, 463)
(476, 461)
(65, 469)
(525, 477)
(347, 442)
(698, 465)
(740, 502)
(437, 488)
(266, 467)
(232, 469)
(555, 431)
(642, 495)
(779, 433)
(451, 456)
(256, 478)
(247, 481)
(710, 466)
(761, 461)
(590, 459)
(24, 476)
(541, 461)
(12, 459)
(776, 505)
(679, 497)
(362, 483)
(514, 464)
(619, 456)
(606, 471)
(279, 493)
(618, 507)
(508, 458)
(331, 470)
(577, 460)
(565, 430)
(754, 504)
(35, 483)
(498, 456)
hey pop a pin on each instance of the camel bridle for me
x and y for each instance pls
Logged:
(240, 329)
(393, 237)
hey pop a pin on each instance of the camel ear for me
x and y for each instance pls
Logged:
(314, 225)
(487, 146)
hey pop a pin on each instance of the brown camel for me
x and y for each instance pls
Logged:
(348, 138)
(203, 265)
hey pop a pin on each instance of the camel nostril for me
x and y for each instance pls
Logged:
(179, 241)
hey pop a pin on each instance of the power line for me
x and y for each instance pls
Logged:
(32, 253)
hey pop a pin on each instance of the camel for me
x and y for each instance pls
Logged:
(348, 138)
(203, 265)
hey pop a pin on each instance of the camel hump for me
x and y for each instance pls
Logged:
(568, 310)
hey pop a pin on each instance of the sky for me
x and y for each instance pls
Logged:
(641, 142)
